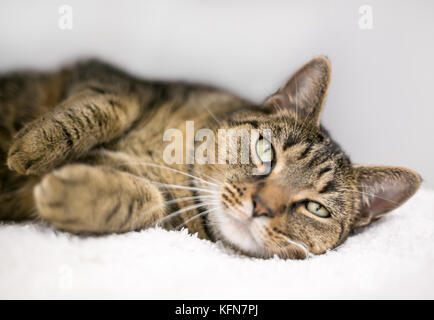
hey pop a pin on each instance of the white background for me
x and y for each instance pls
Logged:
(380, 105)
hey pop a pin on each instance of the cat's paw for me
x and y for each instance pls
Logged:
(38, 148)
(97, 199)
(69, 198)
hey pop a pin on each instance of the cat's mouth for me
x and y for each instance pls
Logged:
(235, 226)
(238, 217)
(234, 222)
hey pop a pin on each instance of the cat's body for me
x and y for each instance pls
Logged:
(83, 149)
(27, 96)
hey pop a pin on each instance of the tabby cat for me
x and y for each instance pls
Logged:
(82, 149)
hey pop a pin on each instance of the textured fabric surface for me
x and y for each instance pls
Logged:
(392, 258)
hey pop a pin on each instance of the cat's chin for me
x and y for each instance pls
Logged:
(234, 228)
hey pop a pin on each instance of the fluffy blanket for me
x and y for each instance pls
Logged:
(393, 258)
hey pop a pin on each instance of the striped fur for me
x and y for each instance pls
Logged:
(81, 149)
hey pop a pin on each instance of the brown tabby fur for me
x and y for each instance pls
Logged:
(81, 148)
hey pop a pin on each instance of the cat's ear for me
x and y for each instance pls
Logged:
(382, 189)
(305, 92)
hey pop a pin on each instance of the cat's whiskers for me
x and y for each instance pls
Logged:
(202, 198)
(170, 169)
(205, 200)
(177, 200)
(259, 232)
(283, 248)
(182, 210)
(209, 177)
(301, 246)
(176, 186)
(195, 217)
(263, 233)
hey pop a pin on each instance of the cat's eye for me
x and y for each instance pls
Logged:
(317, 209)
(264, 150)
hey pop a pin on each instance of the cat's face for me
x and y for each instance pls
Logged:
(306, 198)
(309, 196)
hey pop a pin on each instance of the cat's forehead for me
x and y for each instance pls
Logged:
(306, 155)
(288, 131)
(294, 138)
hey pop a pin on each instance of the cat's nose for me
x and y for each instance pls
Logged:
(259, 208)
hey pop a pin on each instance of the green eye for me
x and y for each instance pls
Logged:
(317, 209)
(264, 150)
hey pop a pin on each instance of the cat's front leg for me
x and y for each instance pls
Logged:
(85, 199)
(70, 130)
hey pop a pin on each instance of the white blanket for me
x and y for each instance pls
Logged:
(393, 258)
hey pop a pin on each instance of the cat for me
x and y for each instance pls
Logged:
(82, 149)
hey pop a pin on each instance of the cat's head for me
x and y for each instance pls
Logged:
(311, 196)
